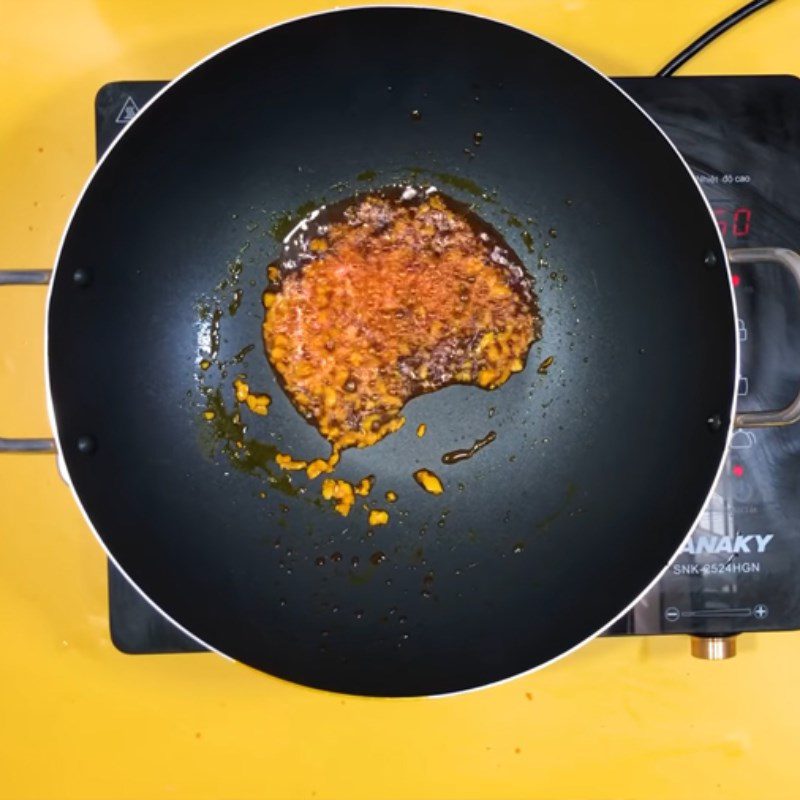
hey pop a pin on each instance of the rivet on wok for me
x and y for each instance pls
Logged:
(714, 422)
(86, 445)
(710, 259)
(82, 277)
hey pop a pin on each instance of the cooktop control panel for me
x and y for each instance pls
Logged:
(740, 569)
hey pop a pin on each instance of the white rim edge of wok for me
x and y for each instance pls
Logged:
(140, 114)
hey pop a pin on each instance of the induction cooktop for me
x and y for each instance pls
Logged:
(737, 571)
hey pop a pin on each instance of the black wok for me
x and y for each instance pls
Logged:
(600, 467)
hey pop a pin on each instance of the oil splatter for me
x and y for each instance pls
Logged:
(212, 317)
(454, 456)
(545, 365)
(240, 356)
(527, 240)
(456, 181)
(226, 432)
(284, 223)
(233, 306)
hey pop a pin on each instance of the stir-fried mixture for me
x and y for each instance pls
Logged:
(387, 297)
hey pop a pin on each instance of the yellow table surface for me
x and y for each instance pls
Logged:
(622, 718)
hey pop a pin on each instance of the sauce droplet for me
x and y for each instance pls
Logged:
(454, 456)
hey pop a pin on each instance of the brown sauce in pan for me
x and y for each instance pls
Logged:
(454, 456)
(387, 296)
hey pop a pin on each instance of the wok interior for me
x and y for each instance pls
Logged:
(599, 467)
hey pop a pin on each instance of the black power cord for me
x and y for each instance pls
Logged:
(712, 33)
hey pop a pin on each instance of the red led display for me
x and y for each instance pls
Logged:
(734, 222)
(741, 222)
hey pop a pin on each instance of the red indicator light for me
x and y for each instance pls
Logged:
(737, 470)
(736, 280)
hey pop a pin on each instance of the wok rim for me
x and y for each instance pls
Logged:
(62, 465)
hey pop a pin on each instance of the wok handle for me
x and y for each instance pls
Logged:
(790, 261)
(29, 277)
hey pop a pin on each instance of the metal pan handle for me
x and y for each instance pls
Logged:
(790, 261)
(789, 415)
(30, 277)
